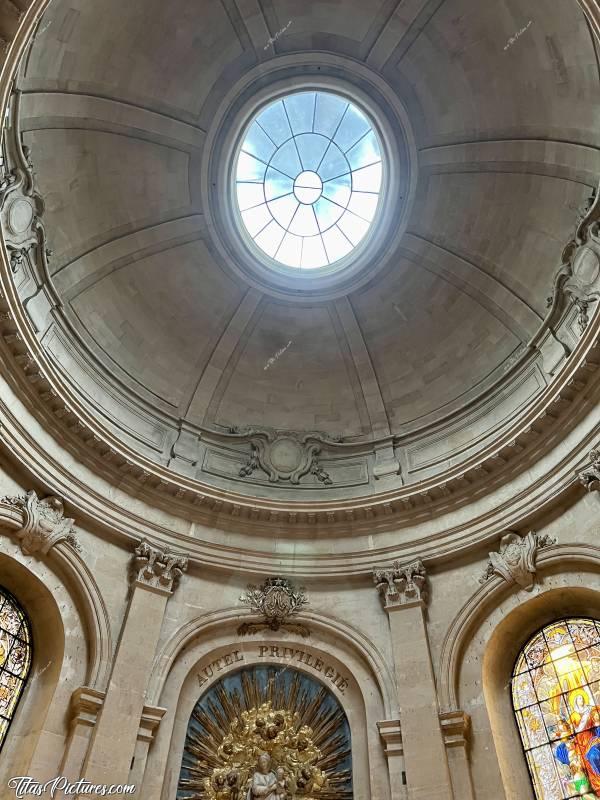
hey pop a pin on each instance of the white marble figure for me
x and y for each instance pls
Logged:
(267, 784)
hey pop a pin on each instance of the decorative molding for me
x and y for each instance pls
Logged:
(150, 721)
(516, 560)
(590, 478)
(44, 523)
(86, 704)
(284, 455)
(277, 600)
(157, 569)
(578, 277)
(456, 728)
(402, 584)
(390, 731)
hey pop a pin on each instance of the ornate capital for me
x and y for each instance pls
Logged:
(516, 560)
(401, 585)
(44, 523)
(156, 569)
(591, 477)
(276, 600)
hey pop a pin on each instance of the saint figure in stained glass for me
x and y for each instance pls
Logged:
(556, 697)
(15, 658)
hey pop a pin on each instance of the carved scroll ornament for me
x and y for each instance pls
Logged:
(516, 560)
(285, 456)
(277, 600)
(578, 277)
(44, 523)
(591, 477)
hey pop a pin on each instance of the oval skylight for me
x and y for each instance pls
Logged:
(308, 179)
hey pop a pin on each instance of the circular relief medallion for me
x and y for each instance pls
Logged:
(20, 216)
(285, 454)
(308, 179)
(586, 265)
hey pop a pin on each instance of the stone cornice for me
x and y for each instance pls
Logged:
(436, 540)
(555, 407)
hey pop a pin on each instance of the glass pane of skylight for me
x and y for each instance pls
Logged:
(338, 190)
(290, 251)
(258, 144)
(311, 149)
(367, 179)
(284, 209)
(328, 113)
(313, 252)
(336, 244)
(300, 109)
(353, 127)
(250, 195)
(327, 213)
(249, 169)
(365, 152)
(274, 121)
(316, 159)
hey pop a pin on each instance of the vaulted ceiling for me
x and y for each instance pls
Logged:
(118, 99)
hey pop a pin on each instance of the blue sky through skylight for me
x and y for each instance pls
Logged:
(308, 179)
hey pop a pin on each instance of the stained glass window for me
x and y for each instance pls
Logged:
(15, 658)
(308, 179)
(556, 699)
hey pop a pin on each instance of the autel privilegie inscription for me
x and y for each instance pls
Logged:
(278, 653)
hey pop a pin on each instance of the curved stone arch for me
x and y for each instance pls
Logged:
(341, 630)
(58, 661)
(488, 596)
(497, 621)
(80, 583)
(367, 696)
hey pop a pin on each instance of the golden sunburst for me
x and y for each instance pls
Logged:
(293, 718)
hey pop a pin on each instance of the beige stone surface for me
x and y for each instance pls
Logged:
(128, 357)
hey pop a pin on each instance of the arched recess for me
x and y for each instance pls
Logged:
(33, 717)
(77, 576)
(272, 709)
(59, 594)
(483, 643)
(334, 653)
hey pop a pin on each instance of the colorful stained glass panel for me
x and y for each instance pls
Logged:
(15, 658)
(555, 696)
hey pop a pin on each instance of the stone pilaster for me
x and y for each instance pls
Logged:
(403, 591)
(151, 719)
(85, 708)
(112, 752)
(391, 735)
(456, 729)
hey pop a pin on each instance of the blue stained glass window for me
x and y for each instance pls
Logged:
(308, 179)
